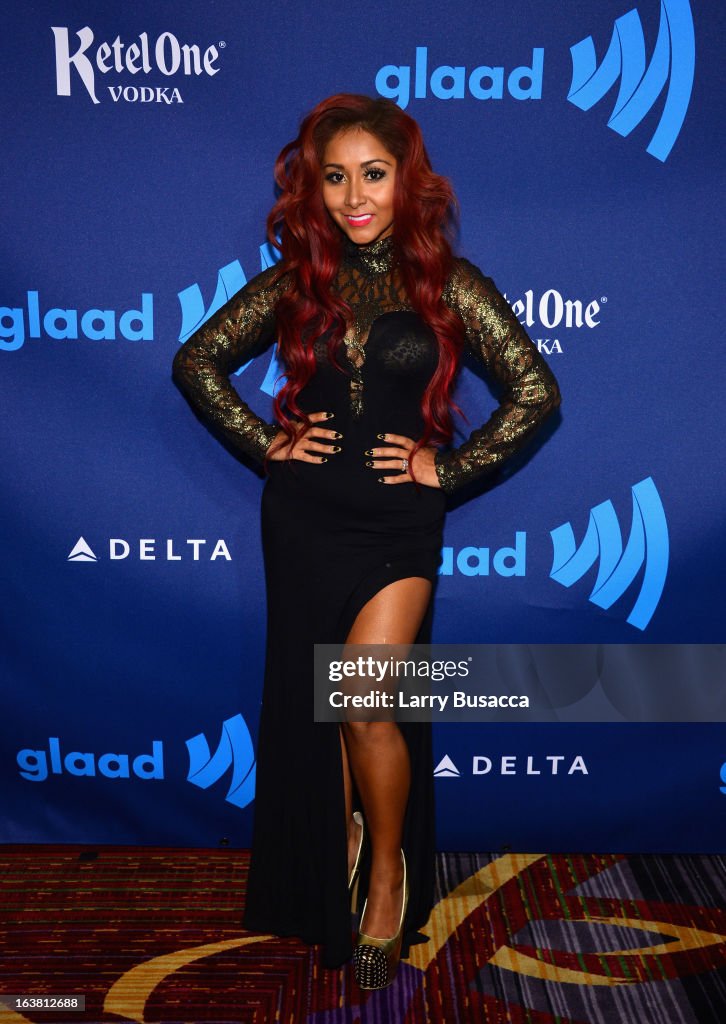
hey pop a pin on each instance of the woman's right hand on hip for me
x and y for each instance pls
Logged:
(307, 447)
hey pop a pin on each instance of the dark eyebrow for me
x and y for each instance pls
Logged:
(376, 160)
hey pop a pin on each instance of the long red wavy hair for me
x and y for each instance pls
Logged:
(311, 247)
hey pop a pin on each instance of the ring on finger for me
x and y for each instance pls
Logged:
(404, 465)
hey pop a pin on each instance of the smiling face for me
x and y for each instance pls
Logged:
(358, 183)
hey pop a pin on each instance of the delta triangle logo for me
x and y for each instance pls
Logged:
(82, 552)
(446, 769)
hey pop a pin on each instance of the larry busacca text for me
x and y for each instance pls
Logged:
(433, 701)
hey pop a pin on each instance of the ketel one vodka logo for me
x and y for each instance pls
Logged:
(647, 548)
(128, 63)
(235, 751)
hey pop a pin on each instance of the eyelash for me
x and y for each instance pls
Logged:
(378, 171)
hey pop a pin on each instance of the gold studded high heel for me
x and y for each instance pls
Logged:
(375, 961)
(355, 873)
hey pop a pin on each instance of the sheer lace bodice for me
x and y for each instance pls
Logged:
(371, 286)
(369, 282)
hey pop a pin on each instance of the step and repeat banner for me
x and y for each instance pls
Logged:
(138, 146)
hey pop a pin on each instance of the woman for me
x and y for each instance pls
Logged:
(372, 313)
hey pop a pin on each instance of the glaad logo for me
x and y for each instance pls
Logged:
(485, 82)
(647, 546)
(63, 324)
(167, 56)
(674, 55)
(119, 549)
(507, 765)
(672, 62)
(471, 561)
(33, 764)
(235, 750)
(230, 279)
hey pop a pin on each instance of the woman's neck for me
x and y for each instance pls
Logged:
(374, 258)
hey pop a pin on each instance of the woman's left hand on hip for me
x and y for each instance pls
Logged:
(393, 454)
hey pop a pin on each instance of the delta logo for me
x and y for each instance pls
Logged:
(515, 764)
(149, 549)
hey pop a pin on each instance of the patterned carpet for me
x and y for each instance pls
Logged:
(150, 934)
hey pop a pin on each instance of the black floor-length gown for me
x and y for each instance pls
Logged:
(332, 537)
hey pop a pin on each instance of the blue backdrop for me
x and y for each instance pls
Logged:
(583, 143)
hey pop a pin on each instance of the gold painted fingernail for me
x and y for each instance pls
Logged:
(369, 463)
(370, 451)
(323, 459)
(381, 479)
(337, 448)
(336, 434)
(382, 436)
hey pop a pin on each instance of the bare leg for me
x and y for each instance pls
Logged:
(378, 754)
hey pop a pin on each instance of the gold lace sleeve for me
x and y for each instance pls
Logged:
(529, 391)
(231, 336)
